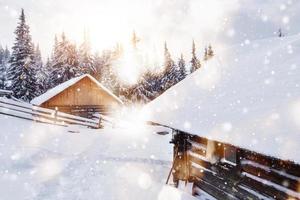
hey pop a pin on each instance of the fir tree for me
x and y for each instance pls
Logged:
(86, 61)
(38, 58)
(47, 72)
(135, 40)
(21, 74)
(2, 68)
(98, 66)
(6, 56)
(5, 64)
(168, 62)
(64, 63)
(170, 74)
(108, 75)
(40, 72)
(195, 63)
(210, 52)
(181, 68)
(205, 57)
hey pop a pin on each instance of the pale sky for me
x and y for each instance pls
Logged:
(177, 21)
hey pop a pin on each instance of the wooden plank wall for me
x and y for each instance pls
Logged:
(228, 172)
(83, 93)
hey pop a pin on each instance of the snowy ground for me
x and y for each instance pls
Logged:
(42, 161)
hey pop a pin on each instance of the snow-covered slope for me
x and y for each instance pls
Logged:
(40, 161)
(248, 95)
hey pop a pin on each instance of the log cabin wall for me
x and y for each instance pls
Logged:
(229, 172)
(82, 98)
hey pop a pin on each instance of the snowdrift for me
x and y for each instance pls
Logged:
(247, 95)
(42, 161)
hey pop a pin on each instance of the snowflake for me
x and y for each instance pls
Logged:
(247, 42)
(227, 127)
(282, 7)
(245, 110)
(231, 33)
(285, 20)
(187, 125)
(264, 18)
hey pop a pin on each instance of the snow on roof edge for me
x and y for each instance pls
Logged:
(168, 115)
(61, 87)
(173, 127)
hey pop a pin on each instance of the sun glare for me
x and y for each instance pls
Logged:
(112, 22)
(133, 119)
(106, 23)
(130, 66)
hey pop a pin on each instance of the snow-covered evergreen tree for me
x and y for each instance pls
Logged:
(86, 60)
(210, 52)
(21, 74)
(134, 40)
(181, 68)
(40, 72)
(2, 68)
(6, 60)
(139, 94)
(47, 69)
(152, 84)
(38, 58)
(169, 77)
(195, 62)
(205, 57)
(64, 62)
(108, 72)
(168, 62)
(98, 66)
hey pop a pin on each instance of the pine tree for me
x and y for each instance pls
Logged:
(168, 62)
(6, 56)
(195, 61)
(98, 66)
(40, 72)
(6, 60)
(108, 75)
(38, 57)
(181, 68)
(86, 60)
(21, 74)
(65, 62)
(205, 57)
(135, 40)
(210, 52)
(2, 68)
(47, 72)
(169, 76)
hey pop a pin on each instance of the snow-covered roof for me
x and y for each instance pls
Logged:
(247, 95)
(58, 89)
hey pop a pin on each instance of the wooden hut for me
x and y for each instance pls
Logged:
(82, 96)
(235, 127)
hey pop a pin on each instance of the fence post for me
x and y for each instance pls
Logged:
(181, 159)
(99, 123)
(55, 114)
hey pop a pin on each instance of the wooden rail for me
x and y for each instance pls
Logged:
(35, 113)
(228, 172)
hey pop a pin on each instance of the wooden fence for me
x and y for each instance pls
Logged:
(228, 172)
(27, 111)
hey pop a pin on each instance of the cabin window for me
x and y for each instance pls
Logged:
(230, 154)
